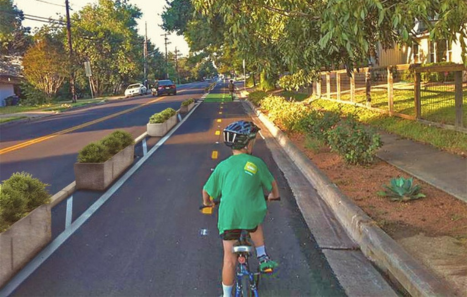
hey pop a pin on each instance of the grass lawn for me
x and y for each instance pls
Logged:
(452, 141)
(294, 95)
(54, 106)
(437, 102)
(5, 120)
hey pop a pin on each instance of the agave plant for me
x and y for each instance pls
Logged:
(402, 189)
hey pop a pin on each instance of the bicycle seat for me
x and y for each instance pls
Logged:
(243, 249)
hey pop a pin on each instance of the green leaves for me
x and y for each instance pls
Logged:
(401, 189)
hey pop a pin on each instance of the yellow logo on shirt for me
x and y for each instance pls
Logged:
(250, 168)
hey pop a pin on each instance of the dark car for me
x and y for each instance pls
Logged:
(165, 86)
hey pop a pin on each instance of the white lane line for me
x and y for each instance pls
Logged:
(179, 117)
(69, 211)
(145, 147)
(261, 135)
(23, 274)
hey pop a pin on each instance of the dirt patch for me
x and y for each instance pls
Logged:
(432, 229)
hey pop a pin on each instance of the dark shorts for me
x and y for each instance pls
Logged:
(235, 233)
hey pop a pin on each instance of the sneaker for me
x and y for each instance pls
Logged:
(266, 265)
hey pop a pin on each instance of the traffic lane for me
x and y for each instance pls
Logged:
(52, 161)
(146, 240)
(12, 135)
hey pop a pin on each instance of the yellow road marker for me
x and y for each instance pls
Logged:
(219, 120)
(218, 132)
(214, 155)
(43, 138)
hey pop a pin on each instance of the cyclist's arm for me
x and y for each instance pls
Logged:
(206, 200)
(274, 192)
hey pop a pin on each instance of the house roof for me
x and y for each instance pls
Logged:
(11, 66)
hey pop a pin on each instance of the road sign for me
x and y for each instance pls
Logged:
(87, 68)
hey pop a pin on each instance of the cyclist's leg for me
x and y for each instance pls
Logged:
(258, 236)
(230, 260)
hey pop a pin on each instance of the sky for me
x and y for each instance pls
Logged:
(151, 9)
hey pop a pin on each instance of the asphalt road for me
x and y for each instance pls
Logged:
(52, 160)
(147, 239)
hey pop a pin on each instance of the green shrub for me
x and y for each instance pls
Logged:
(317, 124)
(188, 102)
(113, 144)
(95, 152)
(256, 97)
(125, 139)
(12, 206)
(157, 118)
(284, 113)
(402, 189)
(354, 142)
(31, 189)
(168, 113)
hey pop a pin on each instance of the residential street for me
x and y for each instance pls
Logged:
(51, 160)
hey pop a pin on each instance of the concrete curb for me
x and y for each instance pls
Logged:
(376, 245)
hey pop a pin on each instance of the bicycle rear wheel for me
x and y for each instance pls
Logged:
(246, 291)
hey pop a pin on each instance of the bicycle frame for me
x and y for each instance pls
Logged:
(243, 268)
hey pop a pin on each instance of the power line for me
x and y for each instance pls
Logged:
(50, 3)
(34, 17)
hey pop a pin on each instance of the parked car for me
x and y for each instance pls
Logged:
(135, 90)
(165, 86)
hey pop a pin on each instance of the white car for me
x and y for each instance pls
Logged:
(135, 90)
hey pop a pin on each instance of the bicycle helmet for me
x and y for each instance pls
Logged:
(238, 134)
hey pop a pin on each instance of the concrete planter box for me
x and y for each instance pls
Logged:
(23, 240)
(157, 130)
(172, 121)
(187, 108)
(98, 176)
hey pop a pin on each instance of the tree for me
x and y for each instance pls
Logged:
(14, 37)
(305, 37)
(105, 35)
(46, 63)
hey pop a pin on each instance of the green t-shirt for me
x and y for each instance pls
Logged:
(240, 180)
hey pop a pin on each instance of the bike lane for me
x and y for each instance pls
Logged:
(149, 238)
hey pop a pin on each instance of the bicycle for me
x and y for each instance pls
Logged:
(247, 281)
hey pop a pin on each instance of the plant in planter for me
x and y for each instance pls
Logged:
(161, 122)
(402, 189)
(187, 105)
(20, 194)
(100, 163)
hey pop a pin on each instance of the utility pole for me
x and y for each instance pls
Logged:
(145, 53)
(166, 41)
(70, 46)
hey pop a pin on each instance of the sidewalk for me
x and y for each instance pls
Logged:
(440, 169)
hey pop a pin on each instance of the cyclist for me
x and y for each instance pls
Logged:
(231, 89)
(240, 180)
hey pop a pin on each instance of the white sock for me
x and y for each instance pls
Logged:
(227, 290)
(260, 251)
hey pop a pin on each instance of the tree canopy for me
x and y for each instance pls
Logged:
(304, 37)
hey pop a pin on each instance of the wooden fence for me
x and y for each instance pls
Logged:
(432, 94)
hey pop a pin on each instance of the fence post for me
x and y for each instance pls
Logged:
(417, 97)
(368, 86)
(458, 98)
(318, 86)
(390, 90)
(352, 87)
(338, 85)
(313, 86)
(328, 84)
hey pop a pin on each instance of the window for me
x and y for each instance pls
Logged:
(415, 53)
(441, 51)
(432, 52)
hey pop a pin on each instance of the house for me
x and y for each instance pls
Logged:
(10, 77)
(423, 50)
